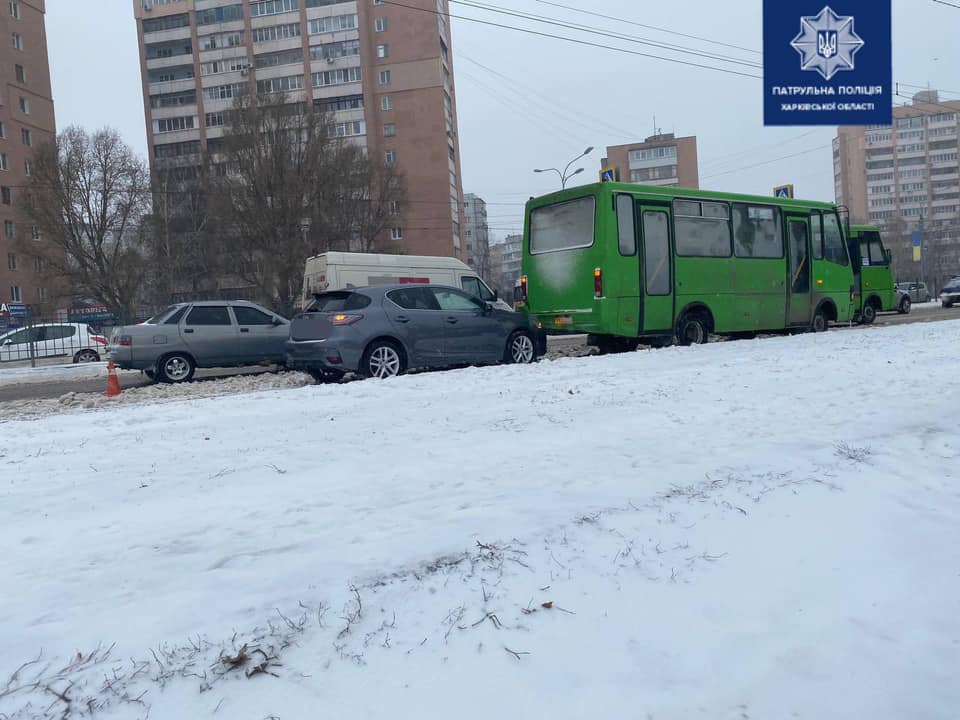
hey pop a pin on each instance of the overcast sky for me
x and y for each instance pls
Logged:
(527, 101)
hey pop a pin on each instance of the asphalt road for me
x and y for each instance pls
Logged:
(561, 345)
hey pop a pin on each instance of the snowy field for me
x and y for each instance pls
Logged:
(754, 529)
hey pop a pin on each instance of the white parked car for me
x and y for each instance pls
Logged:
(74, 340)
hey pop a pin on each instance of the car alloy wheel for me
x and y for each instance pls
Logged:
(521, 348)
(176, 369)
(87, 356)
(384, 362)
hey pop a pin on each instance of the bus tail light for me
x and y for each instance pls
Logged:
(598, 283)
(523, 288)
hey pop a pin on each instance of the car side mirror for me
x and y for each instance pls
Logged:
(487, 308)
(277, 321)
(495, 295)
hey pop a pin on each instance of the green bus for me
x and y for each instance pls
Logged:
(877, 291)
(627, 264)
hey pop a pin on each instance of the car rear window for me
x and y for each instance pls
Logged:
(337, 301)
(155, 320)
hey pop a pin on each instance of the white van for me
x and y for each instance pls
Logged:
(344, 270)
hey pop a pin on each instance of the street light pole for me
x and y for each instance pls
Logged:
(563, 175)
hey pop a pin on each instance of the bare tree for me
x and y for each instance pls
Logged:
(183, 256)
(87, 195)
(291, 189)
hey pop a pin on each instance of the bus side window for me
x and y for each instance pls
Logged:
(817, 234)
(626, 228)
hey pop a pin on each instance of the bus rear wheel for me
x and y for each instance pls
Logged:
(869, 314)
(693, 330)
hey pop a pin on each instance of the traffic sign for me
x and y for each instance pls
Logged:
(783, 191)
(608, 174)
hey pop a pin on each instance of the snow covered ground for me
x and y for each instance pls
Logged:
(755, 529)
(23, 374)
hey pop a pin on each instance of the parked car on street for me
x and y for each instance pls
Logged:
(172, 345)
(385, 330)
(77, 341)
(950, 293)
(916, 291)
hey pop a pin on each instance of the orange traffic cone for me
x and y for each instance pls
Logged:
(113, 382)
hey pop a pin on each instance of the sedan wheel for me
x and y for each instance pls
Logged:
(176, 369)
(520, 348)
(383, 361)
(86, 356)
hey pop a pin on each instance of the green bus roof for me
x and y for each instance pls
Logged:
(669, 193)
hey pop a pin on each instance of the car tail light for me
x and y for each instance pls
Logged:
(125, 340)
(523, 288)
(344, 319)
(598, 283)
(99, 339)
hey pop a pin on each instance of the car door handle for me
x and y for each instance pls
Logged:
(452, 320)
(402, 319)
(188, 330)
(245, 330)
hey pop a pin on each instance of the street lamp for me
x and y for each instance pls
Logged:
(563, 175)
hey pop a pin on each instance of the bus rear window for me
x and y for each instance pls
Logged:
(564, 226)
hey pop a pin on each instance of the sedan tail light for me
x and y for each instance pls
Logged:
(125, 340)
(344, 319)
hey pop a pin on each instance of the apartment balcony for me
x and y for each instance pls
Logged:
(177, 136)
(173, 111)
(165, 62)
(159, 36)
(347, 8)
(171, 86)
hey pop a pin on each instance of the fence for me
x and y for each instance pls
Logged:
(29, 340)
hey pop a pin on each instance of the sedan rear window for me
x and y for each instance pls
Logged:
(209, 315)
(337, 301)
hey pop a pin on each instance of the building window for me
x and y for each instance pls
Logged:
(334, 23)
(26, 136)
(389, 130)
(393, 207)
(15, 9)
(11, 261)
(384, 77)
(6, 196)
(17, 41)
(15, 295)
(272, 7)
(280, 84)
(28, 167)
(390, 156)
(3, 161)
(214, 119)
(38, 264)
(35, 235)
(3, 131)
(330, 51)
(386, 103)
(41, 294)
(383, 51)
(380, 24)
(21, 74)
(396, 233)
(276, 32)
(340, 76)
(9, 229)
(24, 105)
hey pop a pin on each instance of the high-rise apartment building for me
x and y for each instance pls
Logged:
(906, 177)
(477, 234)
(661, 159)
(384, 71)
(26, 120)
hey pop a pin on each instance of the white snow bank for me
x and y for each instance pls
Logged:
(760, 529)
(23, 375)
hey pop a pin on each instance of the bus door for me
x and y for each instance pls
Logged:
(656, 269)
(799, 298)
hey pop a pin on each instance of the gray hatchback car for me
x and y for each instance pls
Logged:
(216, 333)
(385, 330)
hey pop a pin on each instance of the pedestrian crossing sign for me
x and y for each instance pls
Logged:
(783, 191)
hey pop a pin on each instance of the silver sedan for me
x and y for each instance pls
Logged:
(171, 345)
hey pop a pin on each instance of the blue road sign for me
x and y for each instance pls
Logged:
(915, 237)
(783, 191)
(827, 64)
(608, 175)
